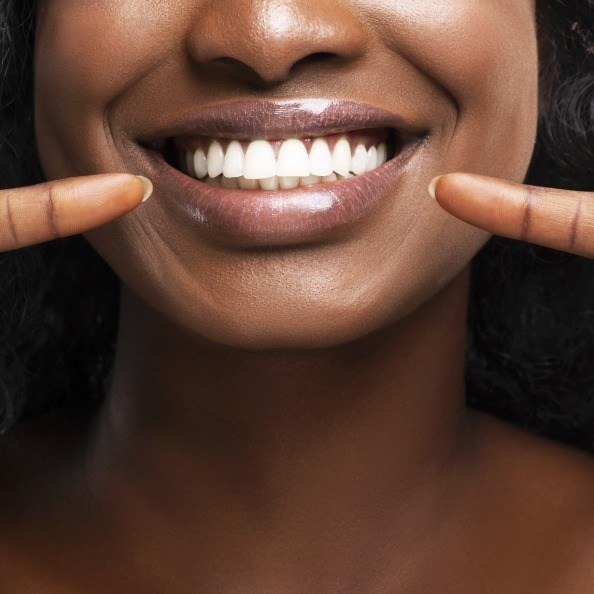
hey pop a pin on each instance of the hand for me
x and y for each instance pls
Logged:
(66, 207)
(559, 219)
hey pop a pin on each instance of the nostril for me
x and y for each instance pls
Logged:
(229, 67)
(241, 72)
(314, 59)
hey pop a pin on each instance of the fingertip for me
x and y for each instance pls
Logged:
(450, 183)
(128, 184)
(119, 193)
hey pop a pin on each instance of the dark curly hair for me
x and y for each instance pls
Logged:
(530, 357)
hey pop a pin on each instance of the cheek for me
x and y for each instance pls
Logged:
(483, 55)
(482, 58)
(87, 54)
(97, 49)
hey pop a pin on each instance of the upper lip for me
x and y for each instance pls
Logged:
(267, 119)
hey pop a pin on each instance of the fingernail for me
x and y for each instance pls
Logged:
(432, 185)
(148, 186)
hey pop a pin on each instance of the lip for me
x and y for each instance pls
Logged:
(279, 217)
(255, 118)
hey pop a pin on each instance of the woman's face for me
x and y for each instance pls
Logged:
(460, 74)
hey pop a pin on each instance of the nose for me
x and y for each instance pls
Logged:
(270, 37)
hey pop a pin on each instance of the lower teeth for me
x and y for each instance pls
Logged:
(271, 183)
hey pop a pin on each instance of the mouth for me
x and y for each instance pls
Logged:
(269, 172)
(281, 164)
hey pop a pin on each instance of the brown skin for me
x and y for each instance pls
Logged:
(294, 420)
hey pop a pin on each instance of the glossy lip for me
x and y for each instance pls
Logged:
(280, 217)
(254, 118)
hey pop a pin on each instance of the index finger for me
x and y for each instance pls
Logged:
(65, 207)
(558, 219)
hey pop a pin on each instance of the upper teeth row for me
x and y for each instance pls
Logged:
(259, 160)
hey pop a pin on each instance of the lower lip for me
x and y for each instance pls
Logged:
(282, 217)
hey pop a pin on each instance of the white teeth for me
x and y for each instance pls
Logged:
(341, 156)
(320, 158)
(199, 163)
(269, 183)
(371, 159)
(359, 161)
(293, 159)
(248, 184)
(258, 167)
(233, 165)
(382, 153)
(259, 160)
(215, 159)
(310, 180)
(288, 182)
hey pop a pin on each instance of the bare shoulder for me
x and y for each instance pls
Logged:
(536, 462)
(544, 494)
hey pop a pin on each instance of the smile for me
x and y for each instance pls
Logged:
(280, 172)
(283, 164)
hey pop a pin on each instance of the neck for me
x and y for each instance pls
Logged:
(301, 441)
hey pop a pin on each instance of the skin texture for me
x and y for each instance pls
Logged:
(293, 420)
(322, 295)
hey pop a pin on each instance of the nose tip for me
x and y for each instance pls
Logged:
(270, 37)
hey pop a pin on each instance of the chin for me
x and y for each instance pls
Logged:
(268, 321)
(259, 330)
